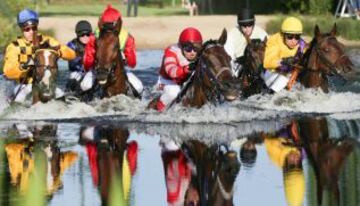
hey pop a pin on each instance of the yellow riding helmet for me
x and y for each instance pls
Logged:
(292, 25)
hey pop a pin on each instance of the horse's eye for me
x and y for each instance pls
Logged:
(326, 50)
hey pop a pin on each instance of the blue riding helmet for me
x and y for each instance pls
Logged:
(27, 16)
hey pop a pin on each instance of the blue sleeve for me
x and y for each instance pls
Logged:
(75, 64)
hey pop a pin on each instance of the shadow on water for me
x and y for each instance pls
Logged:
(306, 161)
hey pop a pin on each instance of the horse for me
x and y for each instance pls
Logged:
(216, 171)
(326, 155)
(109, 68)
(45, 73)
(325, 57)
(212, 79)
(250, 75)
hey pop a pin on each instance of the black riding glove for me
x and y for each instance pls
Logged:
(288, 61)
(192, 66)
(240, 60)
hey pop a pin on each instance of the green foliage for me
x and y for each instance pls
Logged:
(346, 28)
(301, 6)
(320, 6)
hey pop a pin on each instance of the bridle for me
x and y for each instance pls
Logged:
(324, 59)
(46, 66)
(213, 73)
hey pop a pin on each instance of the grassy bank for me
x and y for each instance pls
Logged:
(347, 28)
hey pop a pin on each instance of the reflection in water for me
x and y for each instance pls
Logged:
(306, 161)
(112, 162)
(25, 149)
(327, 156)
(199, 174)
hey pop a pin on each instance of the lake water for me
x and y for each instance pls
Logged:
(301, 142)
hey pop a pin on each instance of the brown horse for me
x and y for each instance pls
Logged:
(250, 75)
(216, 172)
(109, 68)
(45, 73)
(212, 79)
(326, 155)
(325, 57)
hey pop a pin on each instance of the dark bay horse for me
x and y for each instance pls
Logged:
(45, 73)
(250, 75)
(216, 171)
(212, 79)
(109, 68)
(325, 57)
(326, 155)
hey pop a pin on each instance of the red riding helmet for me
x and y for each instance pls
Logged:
(190, 34)
(110, 15)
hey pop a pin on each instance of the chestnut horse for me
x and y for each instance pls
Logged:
(325, 57)
(216, 172)
(250, 75)
(45, 73)
(109, 67)
(326, 155)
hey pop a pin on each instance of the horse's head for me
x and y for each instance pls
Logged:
(216, 68)
(107, 51)
(331, 57)
(254, 56)
(45, 73)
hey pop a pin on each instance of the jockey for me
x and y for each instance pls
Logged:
(176, 65)
(20, 53)
(236, 41)
(83, 32)
(283, 50)
(127, 46)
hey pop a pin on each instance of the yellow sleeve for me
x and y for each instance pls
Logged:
(65, 52)
(12, 69)
(272, 55)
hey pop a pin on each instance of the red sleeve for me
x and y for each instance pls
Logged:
(130, 51)
(89, 53)
(173, 68)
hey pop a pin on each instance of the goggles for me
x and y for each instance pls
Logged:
(292, 36)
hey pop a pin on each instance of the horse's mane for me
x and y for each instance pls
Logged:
(305, 59)
(208, 43)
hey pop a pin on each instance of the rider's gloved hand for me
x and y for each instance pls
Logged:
(240, 60)
(30, 63)
(192, 66)
(289, 61)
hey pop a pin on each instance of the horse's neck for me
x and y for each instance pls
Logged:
(221, 194)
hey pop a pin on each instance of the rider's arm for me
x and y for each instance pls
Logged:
(89, 54)
(230, 45)
(74, 64)
(65, 52)
(12, 69)
(172, 67)
(272, 56)
(130, 51)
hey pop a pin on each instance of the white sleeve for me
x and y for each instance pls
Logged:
(230, 46)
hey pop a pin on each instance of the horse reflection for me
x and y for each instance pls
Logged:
(112, 161)
(200, 175)
(326, 155)
(21, 156)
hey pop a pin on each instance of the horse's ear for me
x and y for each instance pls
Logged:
(223, 37)
(118, 25)
(317, 31)
(333, 30)
(265, 40)
(100, 23)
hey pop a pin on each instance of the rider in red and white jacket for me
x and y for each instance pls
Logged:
(127, 47)
(176, 65)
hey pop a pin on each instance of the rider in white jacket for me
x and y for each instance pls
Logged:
(236, 41)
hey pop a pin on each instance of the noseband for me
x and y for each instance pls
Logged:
(324, 60)
(216, 85)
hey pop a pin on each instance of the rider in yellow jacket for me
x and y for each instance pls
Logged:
(283, 50)
(20, 53)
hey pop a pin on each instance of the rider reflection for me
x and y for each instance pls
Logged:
(284, 151)
(20, 150)
(112, 161)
